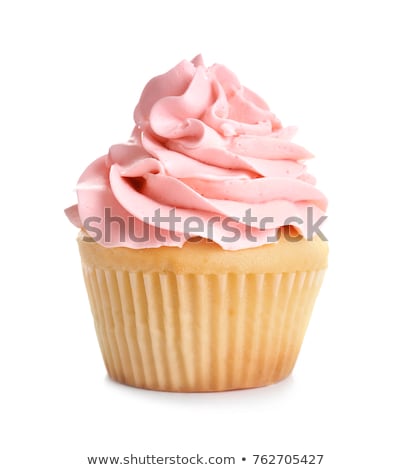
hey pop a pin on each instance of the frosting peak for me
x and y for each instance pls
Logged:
(204, 148)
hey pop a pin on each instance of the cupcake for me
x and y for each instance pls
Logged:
(200, 238)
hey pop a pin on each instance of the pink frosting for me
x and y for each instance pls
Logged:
(207, 150)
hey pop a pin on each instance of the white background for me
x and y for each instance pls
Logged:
(71, 74)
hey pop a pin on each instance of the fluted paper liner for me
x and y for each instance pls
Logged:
(200, 332)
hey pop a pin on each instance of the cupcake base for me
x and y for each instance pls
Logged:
(166, 322)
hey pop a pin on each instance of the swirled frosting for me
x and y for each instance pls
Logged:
(206, 158)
